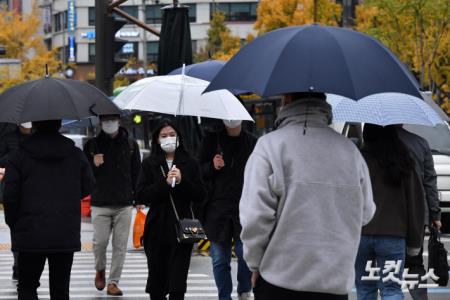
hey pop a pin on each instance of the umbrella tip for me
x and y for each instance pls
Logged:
(46, 71)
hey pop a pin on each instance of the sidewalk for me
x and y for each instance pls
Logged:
(87, 232)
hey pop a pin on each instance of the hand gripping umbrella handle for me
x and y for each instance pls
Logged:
(174, 180)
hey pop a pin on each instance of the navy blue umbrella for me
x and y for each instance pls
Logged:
(316, 58)
(206, 70)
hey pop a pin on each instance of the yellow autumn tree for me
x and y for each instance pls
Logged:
(19, 35)
(273, 14)
(418, 32)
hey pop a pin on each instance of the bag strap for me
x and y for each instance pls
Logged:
(173, 203)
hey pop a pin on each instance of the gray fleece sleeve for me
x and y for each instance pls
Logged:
(257, 209)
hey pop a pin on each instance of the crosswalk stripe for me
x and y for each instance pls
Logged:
(133, 280)
(187, 295)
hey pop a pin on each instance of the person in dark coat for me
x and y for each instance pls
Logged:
(223, 157)
(168, 261)
(115, 160)
(44, 183)
(424, 163)
(9, 143)
(396, 230)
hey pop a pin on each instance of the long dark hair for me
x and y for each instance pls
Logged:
(157, 152)
(384, 144)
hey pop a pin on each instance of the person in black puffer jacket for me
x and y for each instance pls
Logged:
(115, 160)
(44, 183)
(10, 142)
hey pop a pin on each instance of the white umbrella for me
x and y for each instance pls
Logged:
(181, 95)
(384, 109)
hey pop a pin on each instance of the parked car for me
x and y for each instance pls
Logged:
(439, 140)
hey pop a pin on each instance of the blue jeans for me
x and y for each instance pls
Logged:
(221, 259)
(379, 249)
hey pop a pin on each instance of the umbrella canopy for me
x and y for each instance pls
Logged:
(53, 99)
(205, 70)
(384, 109)
(429, 100)
(316, 58)
(181, 95)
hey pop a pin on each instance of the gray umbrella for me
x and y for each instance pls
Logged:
(427, 97)
(53, 99)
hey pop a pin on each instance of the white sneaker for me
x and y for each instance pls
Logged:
(245, 296)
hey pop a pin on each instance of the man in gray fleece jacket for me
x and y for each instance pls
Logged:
(306, 196)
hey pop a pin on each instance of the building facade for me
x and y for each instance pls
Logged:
(69, 25)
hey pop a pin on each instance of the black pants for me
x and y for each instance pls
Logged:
(266, 291)
(31, 266)
(416, 266)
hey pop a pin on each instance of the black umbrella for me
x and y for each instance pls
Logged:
(175, 49)
(316, 58)
(53, 99)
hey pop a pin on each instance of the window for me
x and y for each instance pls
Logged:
(128, 50)
(60, 21)
(92, 52)
(153, 14)
(131, 10)
(194, 46)
(243, 12)
(192, 13)
(91, 16)
(152, 52)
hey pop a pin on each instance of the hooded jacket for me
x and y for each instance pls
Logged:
(44, 184)
(9, 143)
(306, 196)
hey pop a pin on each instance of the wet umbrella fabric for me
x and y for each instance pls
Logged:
(53, 99)
(316, 58)
(384, 109)
(181, 95)
(206, 70)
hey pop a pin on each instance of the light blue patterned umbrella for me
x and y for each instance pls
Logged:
(384, 109)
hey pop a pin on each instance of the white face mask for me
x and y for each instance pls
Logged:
(110, 126)
(169, 144)
(232, 123)
(26, 125)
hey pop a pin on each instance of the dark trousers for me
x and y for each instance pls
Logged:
(31, 266)
(15, 266)
(266, 291)
(416, 266)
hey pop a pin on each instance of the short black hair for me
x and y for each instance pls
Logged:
(48, 126)
(110, 116)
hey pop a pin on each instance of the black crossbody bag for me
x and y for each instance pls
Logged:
(188, 231)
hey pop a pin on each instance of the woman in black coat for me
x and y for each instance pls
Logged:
(168, 261)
